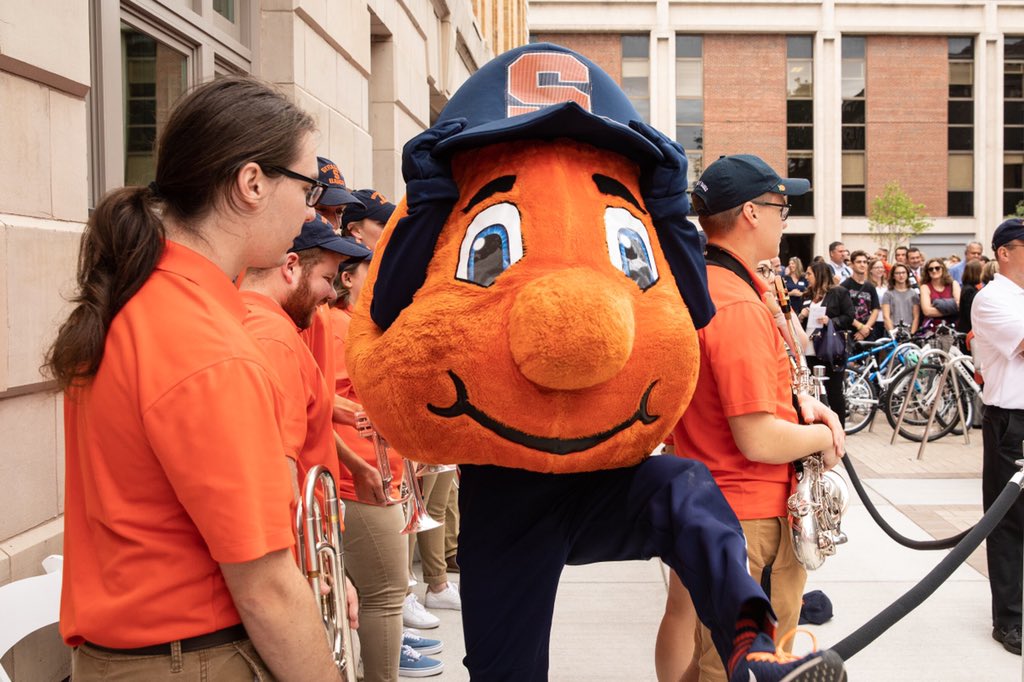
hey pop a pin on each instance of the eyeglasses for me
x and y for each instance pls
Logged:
(316, 189)
(765, 271)
(935, 268)
(784, 207)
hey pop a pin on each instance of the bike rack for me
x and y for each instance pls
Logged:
(913, 380)
(960, 359)
(897, 361)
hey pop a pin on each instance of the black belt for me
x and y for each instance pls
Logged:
(211, 639)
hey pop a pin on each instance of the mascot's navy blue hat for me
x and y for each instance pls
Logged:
(537, 91)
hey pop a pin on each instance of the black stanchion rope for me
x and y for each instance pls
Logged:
(942, 543)
(870, 631)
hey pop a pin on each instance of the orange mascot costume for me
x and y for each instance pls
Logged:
(530, 315)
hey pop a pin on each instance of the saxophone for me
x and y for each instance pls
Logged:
(821, 497)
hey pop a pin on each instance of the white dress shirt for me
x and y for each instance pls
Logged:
(997, 317)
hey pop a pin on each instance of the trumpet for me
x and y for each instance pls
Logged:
(321, 560)
(816, 507)
(412, 491)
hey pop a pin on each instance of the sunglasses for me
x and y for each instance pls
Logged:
(935, 268)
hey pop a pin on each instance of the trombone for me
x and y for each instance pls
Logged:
(418, 518)
(321, 560)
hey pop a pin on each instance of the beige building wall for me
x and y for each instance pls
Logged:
(373, 73)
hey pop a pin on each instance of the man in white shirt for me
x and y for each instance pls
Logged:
(837, 254)
(997, 317)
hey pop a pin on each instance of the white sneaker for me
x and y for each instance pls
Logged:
(448, 598)
(415, 616)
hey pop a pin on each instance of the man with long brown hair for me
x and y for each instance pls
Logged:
(178, 535)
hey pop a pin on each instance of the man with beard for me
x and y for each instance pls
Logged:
(281, 302)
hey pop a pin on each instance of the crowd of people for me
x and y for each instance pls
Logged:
(179, 508)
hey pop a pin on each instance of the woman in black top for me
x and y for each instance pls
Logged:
(969, 288)
(838, 310)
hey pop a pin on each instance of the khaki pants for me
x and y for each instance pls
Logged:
(436, 489)
(451, 522)
(769, 542)
(377, 561)
(232, 662)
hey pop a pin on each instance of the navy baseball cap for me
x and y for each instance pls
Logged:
(732, 180)
(318, 233)
(337, 193)
(544, 91)
(1010, 229)
(375, 206)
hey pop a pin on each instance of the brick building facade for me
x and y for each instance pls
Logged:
(850, 95)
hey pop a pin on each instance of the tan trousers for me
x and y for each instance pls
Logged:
(436, 489)
(769, 542)
(233, 662)
(451, 522)
(376, 559)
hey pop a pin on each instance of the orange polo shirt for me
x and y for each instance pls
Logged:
(743, 370)
(309, 403)
(319, 338)
(343, 387)
(173, 464)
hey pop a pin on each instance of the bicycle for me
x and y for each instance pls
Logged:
(925, 391)
(867, 378)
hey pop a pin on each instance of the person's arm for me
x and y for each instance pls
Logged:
(915, 325)
(281, 617)
(887, 317)
(366, 478)
(926, 304)
(839, 308)
(345, 411)
(956, 293)
(762, 437)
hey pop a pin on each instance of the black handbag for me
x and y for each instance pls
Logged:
(830, 346)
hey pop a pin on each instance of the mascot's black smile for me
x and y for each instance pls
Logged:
(554, 446)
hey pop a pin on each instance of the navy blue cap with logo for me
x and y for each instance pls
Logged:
(337, 192)
(318, 233)
(732, 180)
(375, 206)
(537, 91)
(1008, 230)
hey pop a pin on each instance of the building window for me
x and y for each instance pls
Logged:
(636, 71)
(690, 101)
(1013, 123)
(225, 8)
(960, 194)
(800, 117)
(154, 77)
(854, 201)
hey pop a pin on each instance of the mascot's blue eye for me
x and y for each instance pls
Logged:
(493, 242)
(629, 246)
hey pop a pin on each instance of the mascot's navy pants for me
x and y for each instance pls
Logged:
(519, 528)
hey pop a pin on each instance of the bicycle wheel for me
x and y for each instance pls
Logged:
(966, 404)
(861, 402)
(921, 396)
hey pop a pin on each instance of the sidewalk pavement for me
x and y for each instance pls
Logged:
(607, 615)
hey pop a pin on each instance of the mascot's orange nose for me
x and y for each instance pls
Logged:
(571, 329)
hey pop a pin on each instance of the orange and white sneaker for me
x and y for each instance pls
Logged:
(764, 663)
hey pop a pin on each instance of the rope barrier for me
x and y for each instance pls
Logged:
(942, 543)
(874, 628)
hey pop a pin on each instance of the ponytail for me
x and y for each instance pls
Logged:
(120, 248)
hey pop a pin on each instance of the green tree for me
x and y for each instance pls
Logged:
(1019, 212)
(895, 218)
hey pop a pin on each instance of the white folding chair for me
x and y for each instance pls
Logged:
(29, 604)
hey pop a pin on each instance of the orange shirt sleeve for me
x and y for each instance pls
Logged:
(743, 335)
(216, 437)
